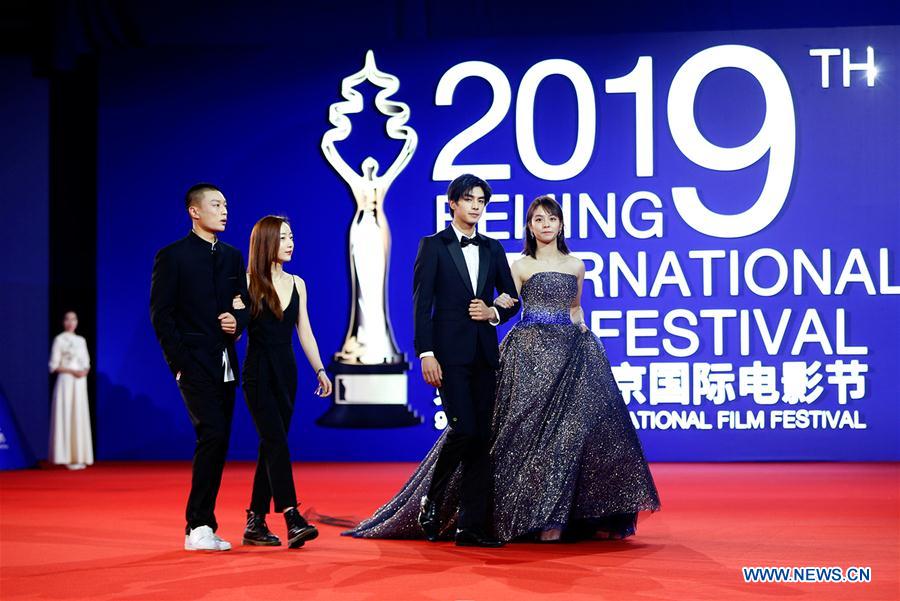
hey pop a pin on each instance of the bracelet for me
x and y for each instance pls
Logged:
(322, 369)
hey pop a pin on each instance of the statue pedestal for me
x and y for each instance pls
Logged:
(369, 396)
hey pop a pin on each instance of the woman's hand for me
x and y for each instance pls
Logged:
(324, 389)
(582, 326)
(505, 301)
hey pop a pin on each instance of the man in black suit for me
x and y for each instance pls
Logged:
(197, 309)
(456, 273)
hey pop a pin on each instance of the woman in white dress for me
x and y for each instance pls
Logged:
(70, 417)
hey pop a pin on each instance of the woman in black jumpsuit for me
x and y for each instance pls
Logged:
(270, 378)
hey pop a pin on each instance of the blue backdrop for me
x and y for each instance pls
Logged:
(727, 346)
(24, 234)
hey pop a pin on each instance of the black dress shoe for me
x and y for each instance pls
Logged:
(299, 530)
(472, 538)
(428, 520)
(257, 532)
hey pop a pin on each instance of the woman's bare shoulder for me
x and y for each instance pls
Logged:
(521, 264)
(576, 264)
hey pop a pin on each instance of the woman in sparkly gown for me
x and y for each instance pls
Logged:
(566, 459)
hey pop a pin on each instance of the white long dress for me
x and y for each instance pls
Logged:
(70, 417)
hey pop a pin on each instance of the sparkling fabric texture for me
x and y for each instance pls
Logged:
(564, 453)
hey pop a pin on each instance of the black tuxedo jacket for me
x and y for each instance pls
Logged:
(442, 291)
(190, 287)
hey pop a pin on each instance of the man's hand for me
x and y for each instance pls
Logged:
(431, 371)
(480, 311)
(228, 323)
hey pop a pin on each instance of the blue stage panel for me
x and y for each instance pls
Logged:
(734, 198)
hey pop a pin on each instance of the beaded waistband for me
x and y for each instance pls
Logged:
(546, 316)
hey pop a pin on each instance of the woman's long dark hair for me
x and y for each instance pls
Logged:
(265, 239)
(552, 208)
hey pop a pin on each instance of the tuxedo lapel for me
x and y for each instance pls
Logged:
(456, 254)
(484, 260)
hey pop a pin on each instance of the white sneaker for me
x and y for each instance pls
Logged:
(202, 538)
(224, 545)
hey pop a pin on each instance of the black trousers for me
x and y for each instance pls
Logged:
(210, 405)
(467, 395)
(270, 399)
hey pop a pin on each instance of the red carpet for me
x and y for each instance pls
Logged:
(114, 531)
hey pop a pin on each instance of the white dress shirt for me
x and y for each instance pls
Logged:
(470, 254)
(229, 373)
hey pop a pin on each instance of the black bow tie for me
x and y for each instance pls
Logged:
(464, 242)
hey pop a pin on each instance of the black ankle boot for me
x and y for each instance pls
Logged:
(299, 530)
(257, 532)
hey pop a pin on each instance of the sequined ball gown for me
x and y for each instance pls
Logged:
(564, 455)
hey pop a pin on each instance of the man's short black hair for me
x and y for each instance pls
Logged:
(464, 183)
(197, 190)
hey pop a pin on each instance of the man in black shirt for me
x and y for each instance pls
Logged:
(197, 309)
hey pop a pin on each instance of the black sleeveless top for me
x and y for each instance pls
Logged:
(268, 330)
(270, 354)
